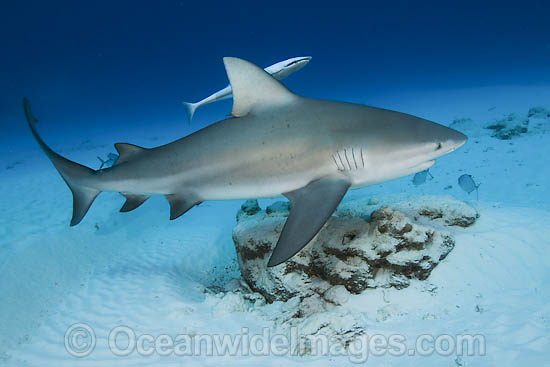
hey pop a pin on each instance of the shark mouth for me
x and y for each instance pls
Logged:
(422, 166)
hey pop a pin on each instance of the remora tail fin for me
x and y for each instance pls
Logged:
(74, 174)
(190, 109)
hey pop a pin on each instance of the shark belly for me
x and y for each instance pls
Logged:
(262, 185)
(267, 173)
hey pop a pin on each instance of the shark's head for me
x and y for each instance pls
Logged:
(283, 69)
(397, 144)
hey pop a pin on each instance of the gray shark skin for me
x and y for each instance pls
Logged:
(277, 143)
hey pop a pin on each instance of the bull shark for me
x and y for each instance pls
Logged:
(279, 71)
(275, 144)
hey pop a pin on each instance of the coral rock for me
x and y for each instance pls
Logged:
(353, 251)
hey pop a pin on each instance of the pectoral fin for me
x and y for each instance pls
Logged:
(311, 206)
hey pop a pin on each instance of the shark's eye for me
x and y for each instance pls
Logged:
(439, 146)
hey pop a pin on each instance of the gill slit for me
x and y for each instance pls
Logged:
(336, 163)
(347, 160)
(353, 155)
(341, 161)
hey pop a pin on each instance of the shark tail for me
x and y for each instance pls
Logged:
(190, 109)
(76, 176)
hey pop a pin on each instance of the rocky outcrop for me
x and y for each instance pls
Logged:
(365, 245)
(536, 121)
(508, 127)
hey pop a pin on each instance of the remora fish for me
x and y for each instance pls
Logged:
(279, 71)
(278, 143)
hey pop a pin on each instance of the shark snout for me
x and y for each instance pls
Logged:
(455, 140)
(444, 140)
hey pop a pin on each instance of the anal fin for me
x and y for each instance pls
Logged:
(132, 202)
(311, 207)
(179, 205)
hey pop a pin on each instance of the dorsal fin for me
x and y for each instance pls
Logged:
(126, 151)
(252, 87)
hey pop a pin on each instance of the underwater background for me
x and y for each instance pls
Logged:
(103, 72)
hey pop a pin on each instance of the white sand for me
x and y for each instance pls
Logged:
(140, 270)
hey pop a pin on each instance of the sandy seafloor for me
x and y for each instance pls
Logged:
(143, 271)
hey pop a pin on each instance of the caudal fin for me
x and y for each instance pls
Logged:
(79, 178)
(190, 109)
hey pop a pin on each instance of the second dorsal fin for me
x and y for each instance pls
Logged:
(126, 151)
(252, 87)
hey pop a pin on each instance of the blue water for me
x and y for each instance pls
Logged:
(131, 63)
